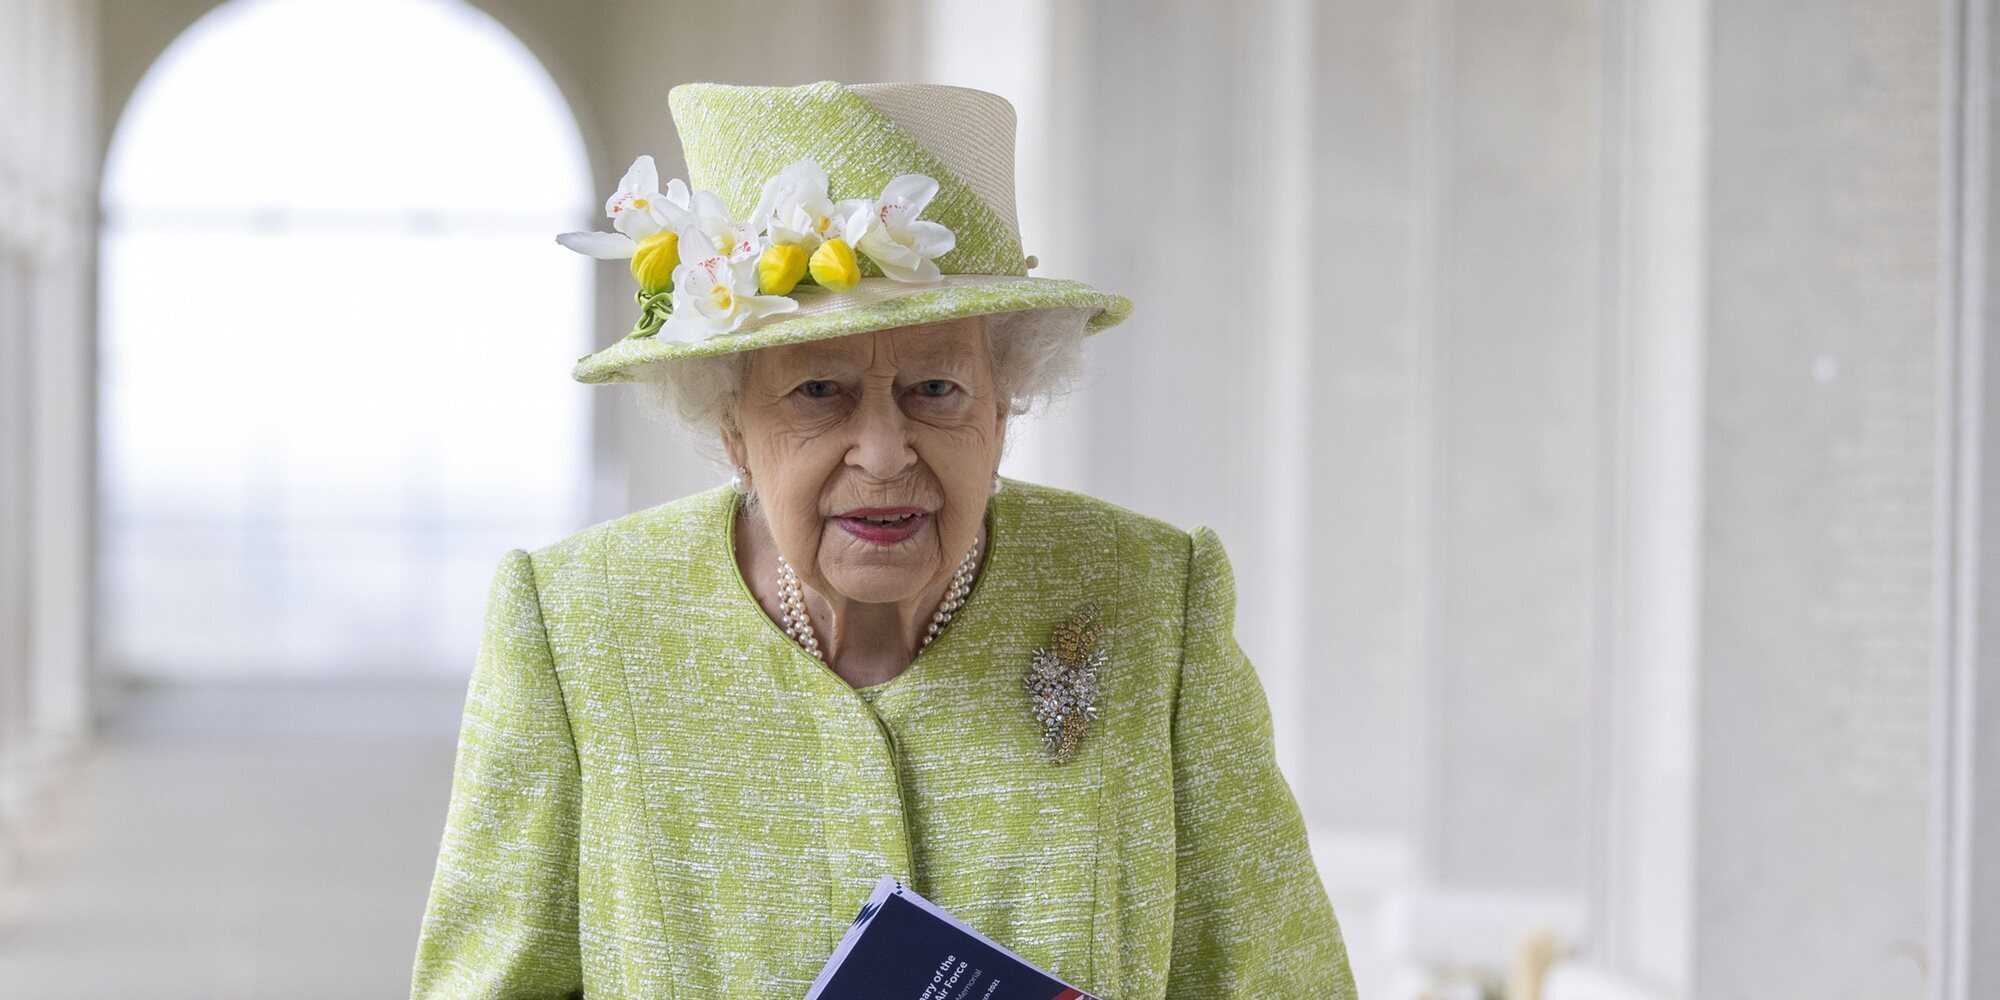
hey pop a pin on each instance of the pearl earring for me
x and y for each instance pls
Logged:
(740, 482)
(996, 482)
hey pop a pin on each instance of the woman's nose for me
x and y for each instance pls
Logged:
(881, 437)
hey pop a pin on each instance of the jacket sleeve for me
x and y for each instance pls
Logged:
(1251, 917)
(501, 921)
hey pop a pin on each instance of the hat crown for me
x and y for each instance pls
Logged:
(972, 131)
(734, 138)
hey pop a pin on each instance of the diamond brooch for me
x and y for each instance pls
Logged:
(1062, 682)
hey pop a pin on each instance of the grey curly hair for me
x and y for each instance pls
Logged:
(1037, 357)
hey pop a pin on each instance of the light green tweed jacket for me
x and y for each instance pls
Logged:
(657, 794)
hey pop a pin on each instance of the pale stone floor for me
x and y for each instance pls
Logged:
(223, 843)
(227, 843)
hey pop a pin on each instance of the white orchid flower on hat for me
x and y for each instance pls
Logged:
(716, 293)
(794, 208)
(803, 229)
(888, 231)
(638, 210)
(734, 240)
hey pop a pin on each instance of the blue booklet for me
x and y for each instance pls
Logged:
(902, 946)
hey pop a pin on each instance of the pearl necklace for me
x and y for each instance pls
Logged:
(791, 600)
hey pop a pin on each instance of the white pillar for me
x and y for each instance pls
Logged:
(1644, 682)
(1511, 454)
(64, 373)
(1363, 410)
(14, 526)
(47, 184)
(1966, 832)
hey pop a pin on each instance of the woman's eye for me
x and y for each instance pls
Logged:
(818, 388)
(935, 387)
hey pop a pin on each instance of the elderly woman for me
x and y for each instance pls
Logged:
(697, 735)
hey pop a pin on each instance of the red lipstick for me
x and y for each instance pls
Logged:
(883, 525)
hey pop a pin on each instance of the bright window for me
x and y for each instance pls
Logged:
(336, 332)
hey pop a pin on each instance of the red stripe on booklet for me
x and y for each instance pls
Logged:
(1071, 994)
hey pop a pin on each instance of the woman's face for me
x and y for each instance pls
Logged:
(872, 455)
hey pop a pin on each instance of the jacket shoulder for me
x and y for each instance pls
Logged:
(1139, 534)
(675, 521)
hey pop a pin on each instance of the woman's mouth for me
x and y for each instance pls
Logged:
(883, 525)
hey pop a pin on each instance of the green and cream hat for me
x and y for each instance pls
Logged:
(819, 211)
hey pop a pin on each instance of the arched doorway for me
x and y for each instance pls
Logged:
(334, 338)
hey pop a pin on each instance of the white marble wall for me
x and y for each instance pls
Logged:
(1821, 440)
(1767, 816)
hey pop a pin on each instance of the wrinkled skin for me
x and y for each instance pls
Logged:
(909, 417)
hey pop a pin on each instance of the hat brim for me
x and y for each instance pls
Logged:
(873, 304)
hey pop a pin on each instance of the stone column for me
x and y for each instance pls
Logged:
(64, 374)
(1644, 726)
(1509, 454)
(47, 185)
(1967, 837)
(1364, 410)
(16, 597)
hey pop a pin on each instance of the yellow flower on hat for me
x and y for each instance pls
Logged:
(654, 260)
(834, 266)
(780, 268)
(794, 209)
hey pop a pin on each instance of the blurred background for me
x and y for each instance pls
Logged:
(1595, 417)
